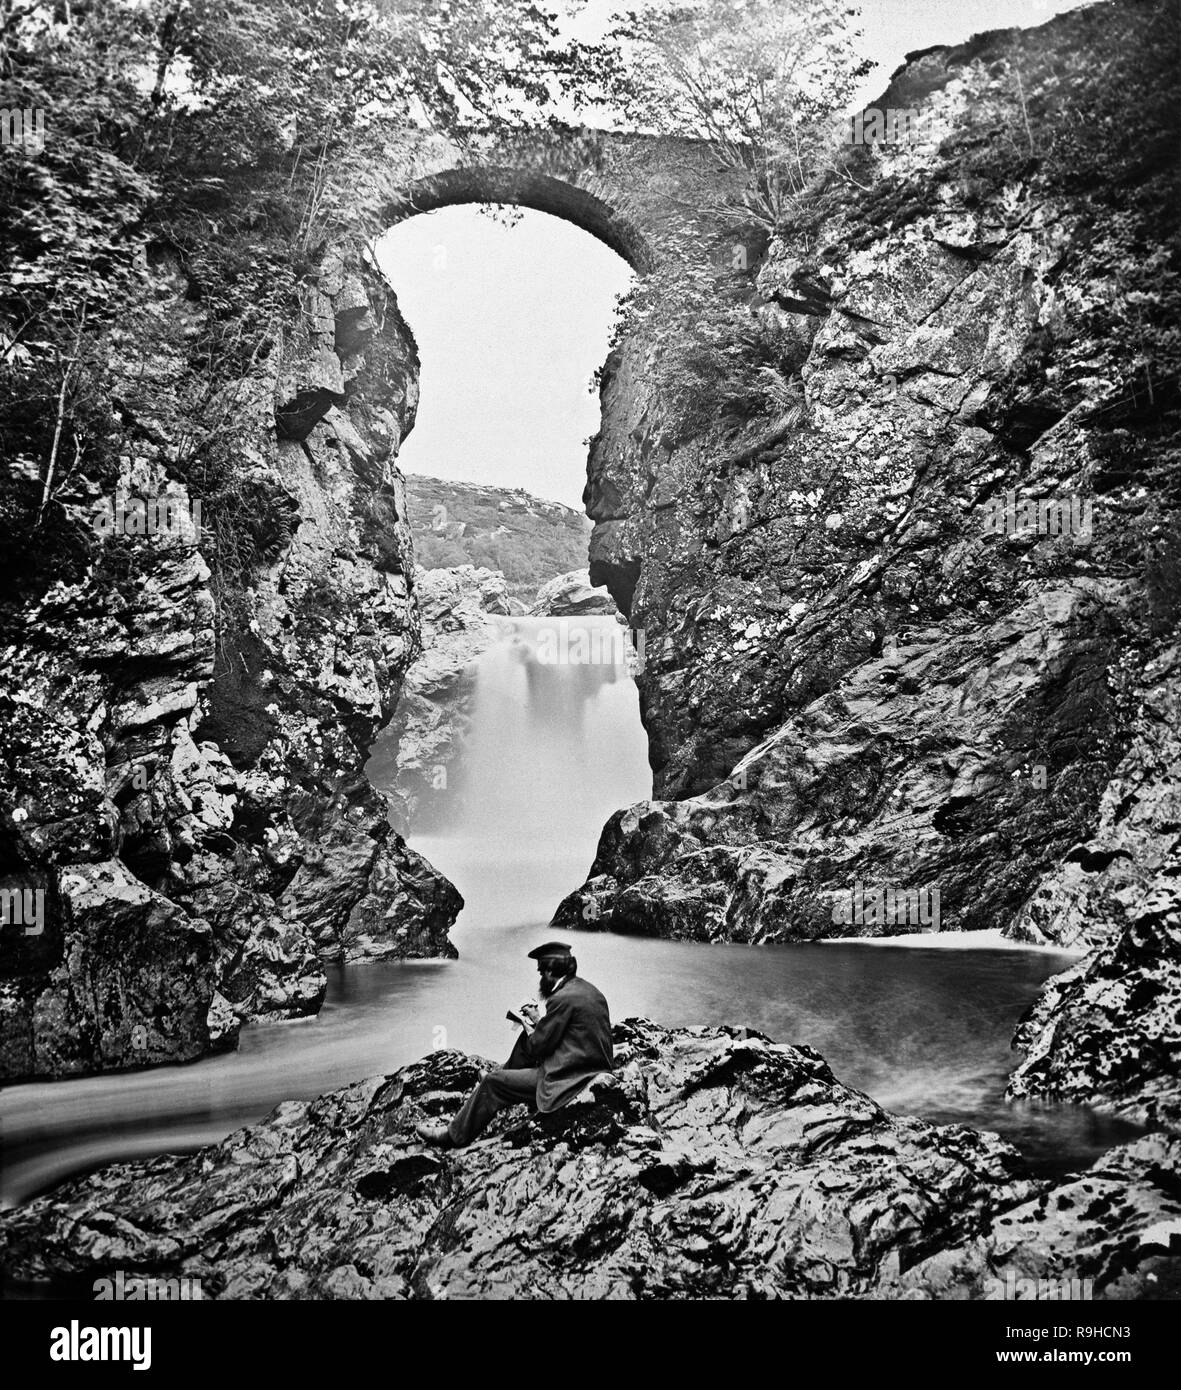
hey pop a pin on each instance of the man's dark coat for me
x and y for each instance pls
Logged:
(570, 1044)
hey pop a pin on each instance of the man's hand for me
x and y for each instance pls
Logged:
(531, 1011)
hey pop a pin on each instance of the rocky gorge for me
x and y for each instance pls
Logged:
(864, 663)
(185, 784)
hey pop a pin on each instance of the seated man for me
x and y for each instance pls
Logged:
(548, 1067)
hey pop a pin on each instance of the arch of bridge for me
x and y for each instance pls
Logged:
(647, 197)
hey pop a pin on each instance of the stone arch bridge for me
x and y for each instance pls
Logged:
(652, 199)
(645, 196)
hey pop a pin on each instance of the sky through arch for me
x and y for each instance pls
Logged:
(511, 322)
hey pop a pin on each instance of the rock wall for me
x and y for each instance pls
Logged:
(413, 760)
(868, 668)
(849, 676)
(183, 750)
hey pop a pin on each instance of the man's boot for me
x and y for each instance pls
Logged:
(435, 1134)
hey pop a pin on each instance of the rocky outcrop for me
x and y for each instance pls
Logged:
(862, 665)
(413, 759)
(1088, 896)
(712, 1164)
(912, 630)
(774, 852)
(126, 976)
(572, 595)
(1111, 1232)
(183, 768)
(1108, 1032)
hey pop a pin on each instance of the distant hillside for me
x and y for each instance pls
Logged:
(528, 540)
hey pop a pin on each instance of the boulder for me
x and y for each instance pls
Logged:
(119, 977)
(713, 1163)
(572, 595)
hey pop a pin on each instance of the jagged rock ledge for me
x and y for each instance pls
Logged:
(713, 1164)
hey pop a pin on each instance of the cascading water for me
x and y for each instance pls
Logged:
(555, 746)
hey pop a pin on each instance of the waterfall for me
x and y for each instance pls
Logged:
(554, 746)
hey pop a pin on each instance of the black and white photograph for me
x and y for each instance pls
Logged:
(591, 703)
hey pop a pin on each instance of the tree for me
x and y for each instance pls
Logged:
(761, 80)
(218, 137)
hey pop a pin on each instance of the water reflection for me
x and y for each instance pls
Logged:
(924, 1031)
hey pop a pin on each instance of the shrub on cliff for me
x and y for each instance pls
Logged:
(759, 80)
(715, 359)
(194, 159)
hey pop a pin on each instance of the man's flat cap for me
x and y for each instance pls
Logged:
(550, 950)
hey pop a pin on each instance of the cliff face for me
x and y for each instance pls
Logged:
(714, 1164)
(868, 660)
(855, 664)
(183, 751)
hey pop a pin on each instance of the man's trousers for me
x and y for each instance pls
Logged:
(498, 1089)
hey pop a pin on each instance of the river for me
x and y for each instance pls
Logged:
(554, 747)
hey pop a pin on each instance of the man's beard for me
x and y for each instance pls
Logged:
(546, 986)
